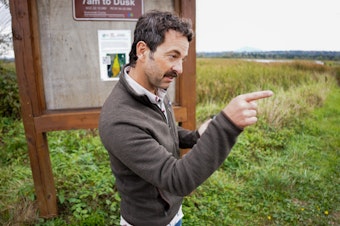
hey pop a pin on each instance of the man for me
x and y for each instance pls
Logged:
(138, 130)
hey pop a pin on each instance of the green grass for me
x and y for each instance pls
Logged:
(283, 171)
(277, 177)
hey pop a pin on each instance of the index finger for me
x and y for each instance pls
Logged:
(257, 95)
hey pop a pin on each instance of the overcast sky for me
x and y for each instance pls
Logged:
(229, 25)
(224, 25)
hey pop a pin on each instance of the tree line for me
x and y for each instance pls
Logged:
(291, 54)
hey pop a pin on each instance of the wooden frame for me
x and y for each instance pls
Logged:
(38, 120)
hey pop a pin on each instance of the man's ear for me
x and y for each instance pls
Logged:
(141, 49)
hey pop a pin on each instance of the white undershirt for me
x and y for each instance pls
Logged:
(173, 222)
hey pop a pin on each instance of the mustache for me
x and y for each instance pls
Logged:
(173, 74)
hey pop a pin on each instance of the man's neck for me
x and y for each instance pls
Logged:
(137, 75)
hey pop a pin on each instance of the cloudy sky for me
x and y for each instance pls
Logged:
(223, 25)
(229, 25)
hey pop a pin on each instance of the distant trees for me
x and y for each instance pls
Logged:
(5, 42)
(5, 34)
(313, 55)
(5, 2)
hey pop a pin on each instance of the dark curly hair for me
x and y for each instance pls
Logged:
(151, 28)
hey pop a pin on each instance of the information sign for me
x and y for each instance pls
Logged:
(107, 9)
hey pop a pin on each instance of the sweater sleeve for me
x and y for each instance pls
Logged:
(207, 155)
(187, 138)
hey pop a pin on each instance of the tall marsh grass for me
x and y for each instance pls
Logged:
(299, 86)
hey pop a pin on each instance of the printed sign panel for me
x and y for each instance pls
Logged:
(114, 47)
(107, 9)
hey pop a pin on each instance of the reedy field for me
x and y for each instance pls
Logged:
(283, 171)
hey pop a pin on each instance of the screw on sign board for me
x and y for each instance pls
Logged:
(107, 9)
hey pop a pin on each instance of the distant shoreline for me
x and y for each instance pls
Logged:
(264, 56)
(275, 55)
(279, 60)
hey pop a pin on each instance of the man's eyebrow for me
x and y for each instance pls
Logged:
(174, 51)
(177, 52)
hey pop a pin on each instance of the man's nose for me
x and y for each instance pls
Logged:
(178, 67)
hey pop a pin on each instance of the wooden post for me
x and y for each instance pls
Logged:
(26, 60)
(186, 84)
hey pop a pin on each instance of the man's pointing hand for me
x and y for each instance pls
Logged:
(242, 110)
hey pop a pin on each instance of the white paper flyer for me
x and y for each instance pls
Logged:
(114, 48)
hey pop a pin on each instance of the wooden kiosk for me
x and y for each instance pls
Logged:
(57, 65)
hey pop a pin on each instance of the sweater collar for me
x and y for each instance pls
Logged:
(140, 90)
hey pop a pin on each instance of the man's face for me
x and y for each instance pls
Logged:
(166, 63)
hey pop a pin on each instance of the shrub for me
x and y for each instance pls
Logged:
(337, 74)
(9, 94)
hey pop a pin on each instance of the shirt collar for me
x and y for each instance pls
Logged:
(140, 90)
